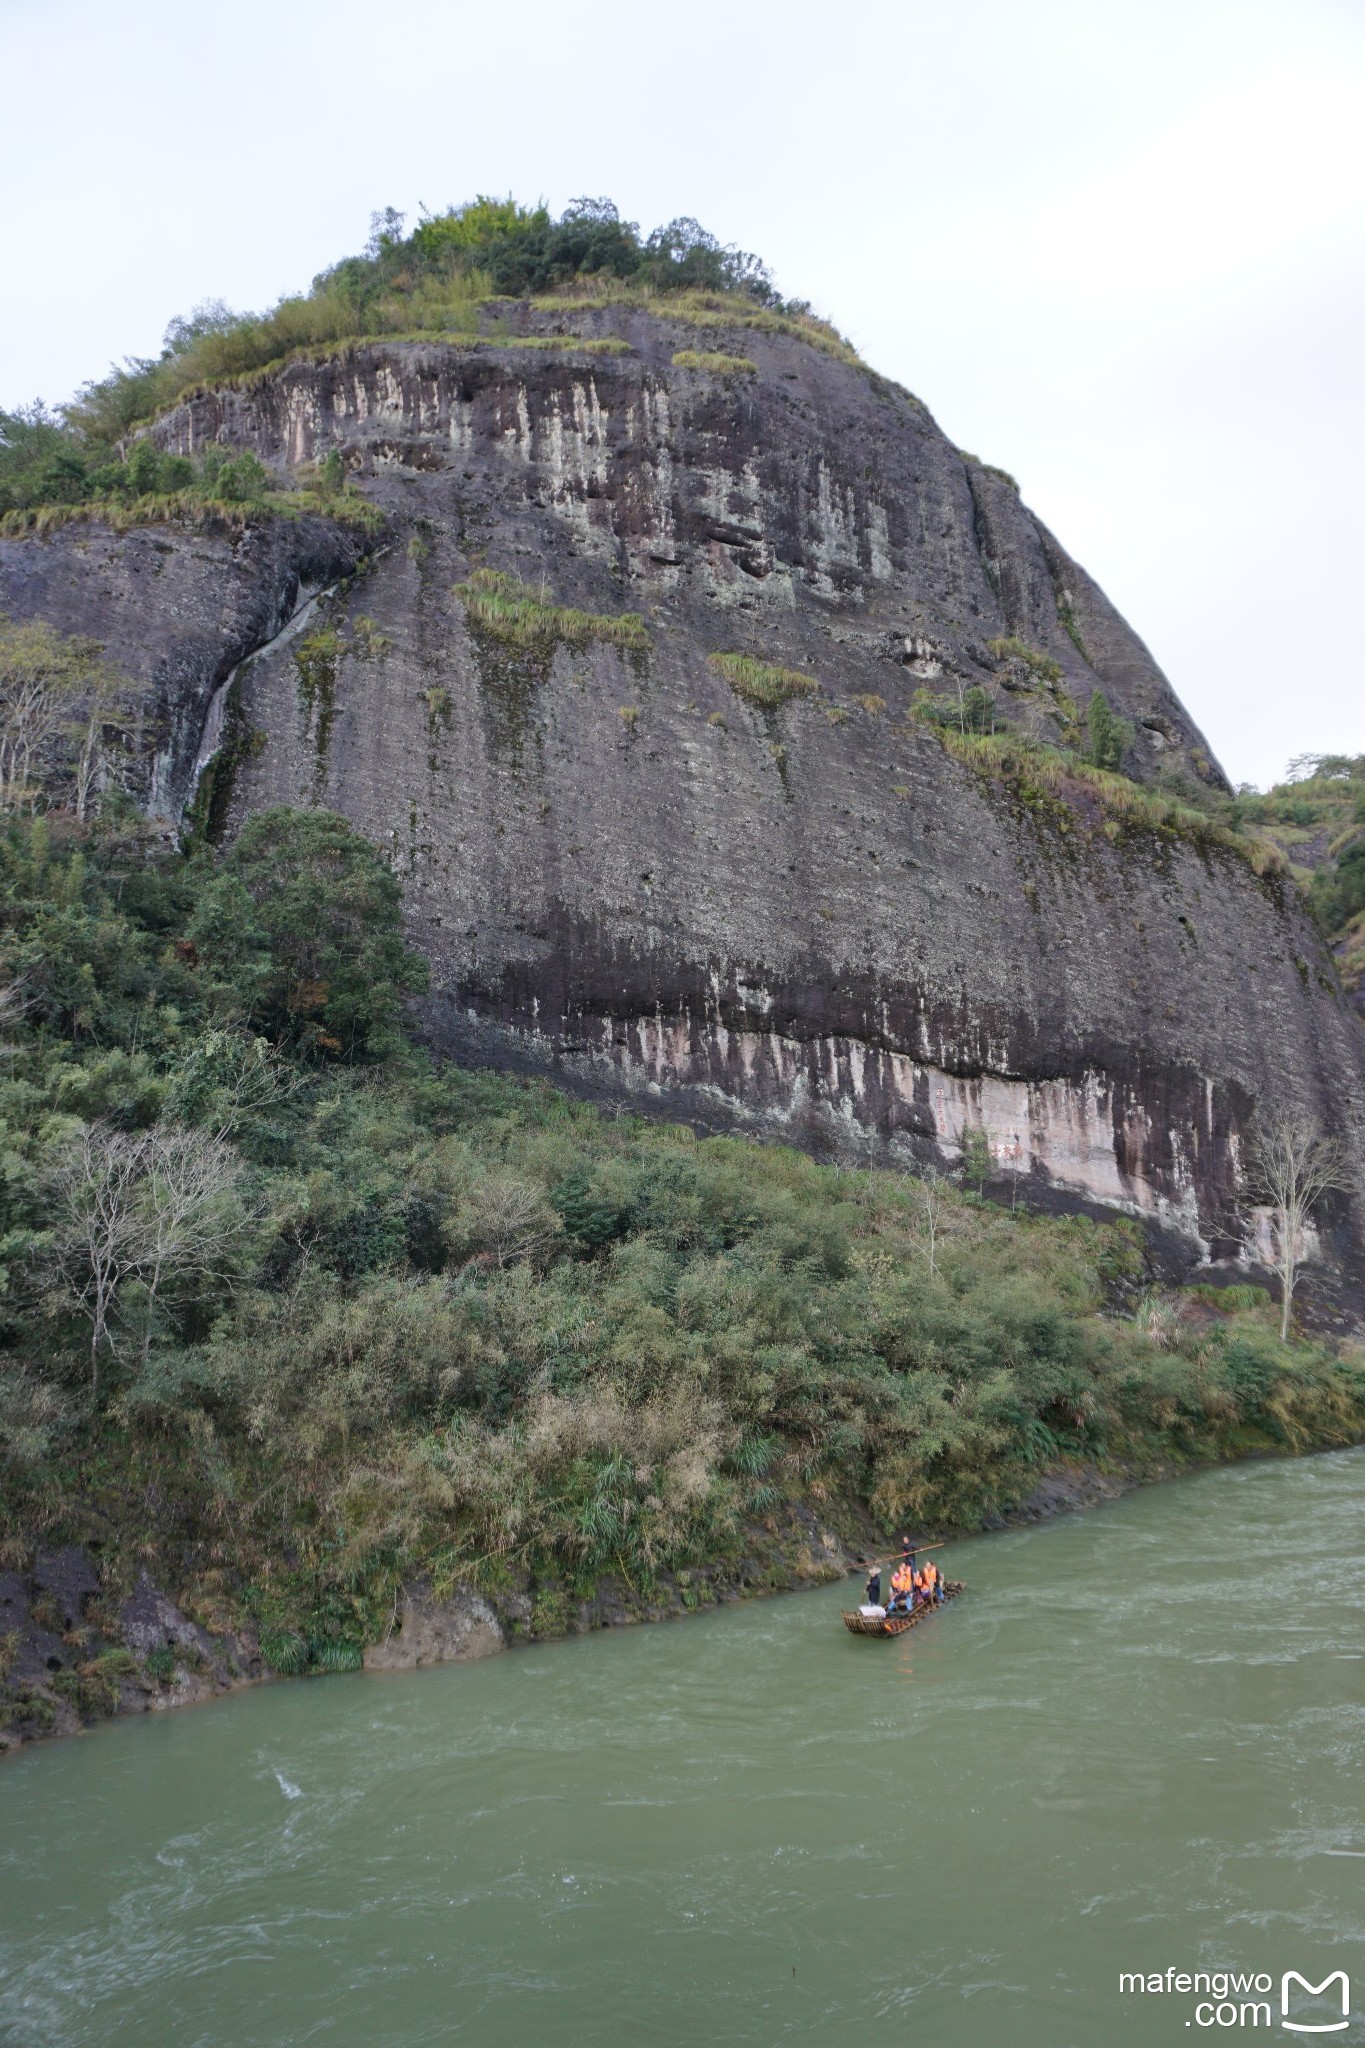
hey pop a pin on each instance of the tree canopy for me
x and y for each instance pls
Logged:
(305, 922)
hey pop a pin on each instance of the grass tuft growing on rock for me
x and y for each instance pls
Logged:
(507, 610)
(714, 362)
(586, 345)
(284, 1650)
(760, 683)
(337, 1656)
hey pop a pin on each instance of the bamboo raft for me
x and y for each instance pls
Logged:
(896, 1624)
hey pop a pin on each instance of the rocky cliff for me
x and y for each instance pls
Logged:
(806, 916)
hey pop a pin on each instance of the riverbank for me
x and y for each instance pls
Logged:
(75, 1653)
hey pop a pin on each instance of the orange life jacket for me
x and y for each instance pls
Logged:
(902, 1579)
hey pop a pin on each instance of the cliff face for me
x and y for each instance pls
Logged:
(812, 920)
(175, 612)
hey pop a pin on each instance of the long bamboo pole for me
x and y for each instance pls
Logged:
(903, 1556)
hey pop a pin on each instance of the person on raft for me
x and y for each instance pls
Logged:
(873, 1593)
(902, 1589)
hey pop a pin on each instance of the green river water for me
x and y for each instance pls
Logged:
(1136, 1745)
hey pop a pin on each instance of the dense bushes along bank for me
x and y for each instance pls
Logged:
(292, 1315)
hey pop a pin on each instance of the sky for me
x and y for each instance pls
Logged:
(1116, 248)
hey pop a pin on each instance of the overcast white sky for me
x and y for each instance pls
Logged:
(1114, 244)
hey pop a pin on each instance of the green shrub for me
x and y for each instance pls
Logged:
(160, 1664)
(284, 1651)
(1226, 1299)
(971, 711)
(1012, 649)
(1107, 735)
(303, 920)
(333, 1656)
(92, 1690)
(29, 1710)
(593, 1215)
(550, 1612)
(976, 1157)
(1338, 894)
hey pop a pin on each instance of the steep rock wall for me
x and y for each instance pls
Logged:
(812, 921)
(175, 611)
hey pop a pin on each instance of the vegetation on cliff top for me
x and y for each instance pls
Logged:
(291, 1315)
(436, 280)
(47, 480)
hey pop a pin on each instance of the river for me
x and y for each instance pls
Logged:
(1135, 1745)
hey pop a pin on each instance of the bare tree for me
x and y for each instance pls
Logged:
(1010, 1152)
(1291, 1166)
(13, 1003)
(931, 1206)
(509, 1219)
(137, 1206)
(34, 685)
(101, 727)
(92, 1185)
(54, 690)
(189, 1214)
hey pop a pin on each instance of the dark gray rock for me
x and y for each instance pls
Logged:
(150, 1620)
(174, 611)
(69, 1579)
(13, 1602)
(55, 1627)
(428, 1630)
